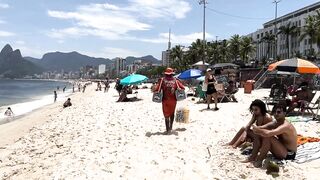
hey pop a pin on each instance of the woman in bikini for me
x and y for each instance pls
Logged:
(260, 117)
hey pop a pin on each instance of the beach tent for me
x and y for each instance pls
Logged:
(191, 73)
(133, 79)
(200, 63)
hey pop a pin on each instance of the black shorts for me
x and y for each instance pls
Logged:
(211, 90)
(291, 155)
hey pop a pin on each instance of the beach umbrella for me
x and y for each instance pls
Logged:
(201, 78)
(295, 65)
(191, 73)
(283, 73)
(200, 63)
(133, 79)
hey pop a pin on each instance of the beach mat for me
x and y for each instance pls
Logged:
(308, 152)
(299, 119)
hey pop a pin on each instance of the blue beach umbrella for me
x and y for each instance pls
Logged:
(133, 79)
(191, 73)
(201, 78)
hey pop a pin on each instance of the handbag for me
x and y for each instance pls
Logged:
(157, 96)
(180, 93)
(204, 87)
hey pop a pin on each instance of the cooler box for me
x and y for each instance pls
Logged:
(248, 86)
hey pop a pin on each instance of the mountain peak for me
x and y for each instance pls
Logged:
(6, 50)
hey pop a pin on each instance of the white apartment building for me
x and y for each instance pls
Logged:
(101, 69)
(267, 51)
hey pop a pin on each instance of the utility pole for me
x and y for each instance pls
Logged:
(204, 3)
(276, 28)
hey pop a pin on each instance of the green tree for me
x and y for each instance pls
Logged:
(196, 51)
(269, 39)
(288, 31)
(213, 52)
(234, 46)
(176, 55)
(311, 30)
(246, 48)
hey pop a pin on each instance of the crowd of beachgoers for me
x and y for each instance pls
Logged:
(108, 129)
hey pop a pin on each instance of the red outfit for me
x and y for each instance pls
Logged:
(169, 86)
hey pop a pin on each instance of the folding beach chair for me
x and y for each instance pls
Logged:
(222, 93)
(312, 105)
(277, 94)
(200, 93)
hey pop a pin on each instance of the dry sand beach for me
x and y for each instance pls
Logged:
(98, 138)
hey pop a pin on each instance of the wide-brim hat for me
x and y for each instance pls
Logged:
(169, 71)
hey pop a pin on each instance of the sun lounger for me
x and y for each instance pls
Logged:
(277, 93)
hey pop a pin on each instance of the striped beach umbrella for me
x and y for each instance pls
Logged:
(295, 65)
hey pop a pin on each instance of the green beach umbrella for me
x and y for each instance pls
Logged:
(133, 79)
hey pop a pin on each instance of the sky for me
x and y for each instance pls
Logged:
(121, 28)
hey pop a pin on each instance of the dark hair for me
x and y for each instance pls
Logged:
(230, 82)
(69, 99)
(9, 107)
(281, 106)
(260, 104)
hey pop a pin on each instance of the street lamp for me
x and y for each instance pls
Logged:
(204, 2)
(275, 27)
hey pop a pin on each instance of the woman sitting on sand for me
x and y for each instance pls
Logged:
(260, 117)
(169, 85)
(9, 112)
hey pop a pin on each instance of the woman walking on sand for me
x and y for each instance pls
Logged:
(210, 80)
(168, 85)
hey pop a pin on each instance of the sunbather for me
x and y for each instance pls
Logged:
(259, 117)
(278, 137)
(231, 89)
(299, 97)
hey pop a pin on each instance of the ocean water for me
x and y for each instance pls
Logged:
(23, 96)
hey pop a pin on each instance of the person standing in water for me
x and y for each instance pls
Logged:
(9, 112)
(55, 96)
(73, 88)
(64, 89)
(168, 85)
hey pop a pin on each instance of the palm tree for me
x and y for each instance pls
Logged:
(213, 52)
(288, 31)
(176, 55)
(196, 51)
(311, 30)
(234, 46)
(246, 48)
(269, 39)
(224, 50)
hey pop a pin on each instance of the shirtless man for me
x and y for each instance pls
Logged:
(278, 137)
(259, 117)
(301, 95)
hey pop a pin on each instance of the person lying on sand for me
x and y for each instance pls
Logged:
(278, 137)
(67, 103)
(259, 117)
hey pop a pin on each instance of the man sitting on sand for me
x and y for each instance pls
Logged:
(278, 137)
(300, 96)
(8, 112)
(123, 94)
(259, 117)
(67, 103)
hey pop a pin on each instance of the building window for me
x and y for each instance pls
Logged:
(310, 41)
(299, 23)
(270, 31)
(258, 35)
(305, 42)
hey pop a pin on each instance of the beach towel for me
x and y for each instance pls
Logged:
(308, 152)
(302, 140)
(299, 119)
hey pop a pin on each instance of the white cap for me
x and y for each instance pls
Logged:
(209, 69)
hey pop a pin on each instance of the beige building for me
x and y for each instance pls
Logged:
(267, 51)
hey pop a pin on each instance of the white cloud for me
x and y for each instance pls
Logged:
(178, 39)
(113, 22)
(111, 52)
(161, 8)
(4, 6)
(2, 22)
(6, 34)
